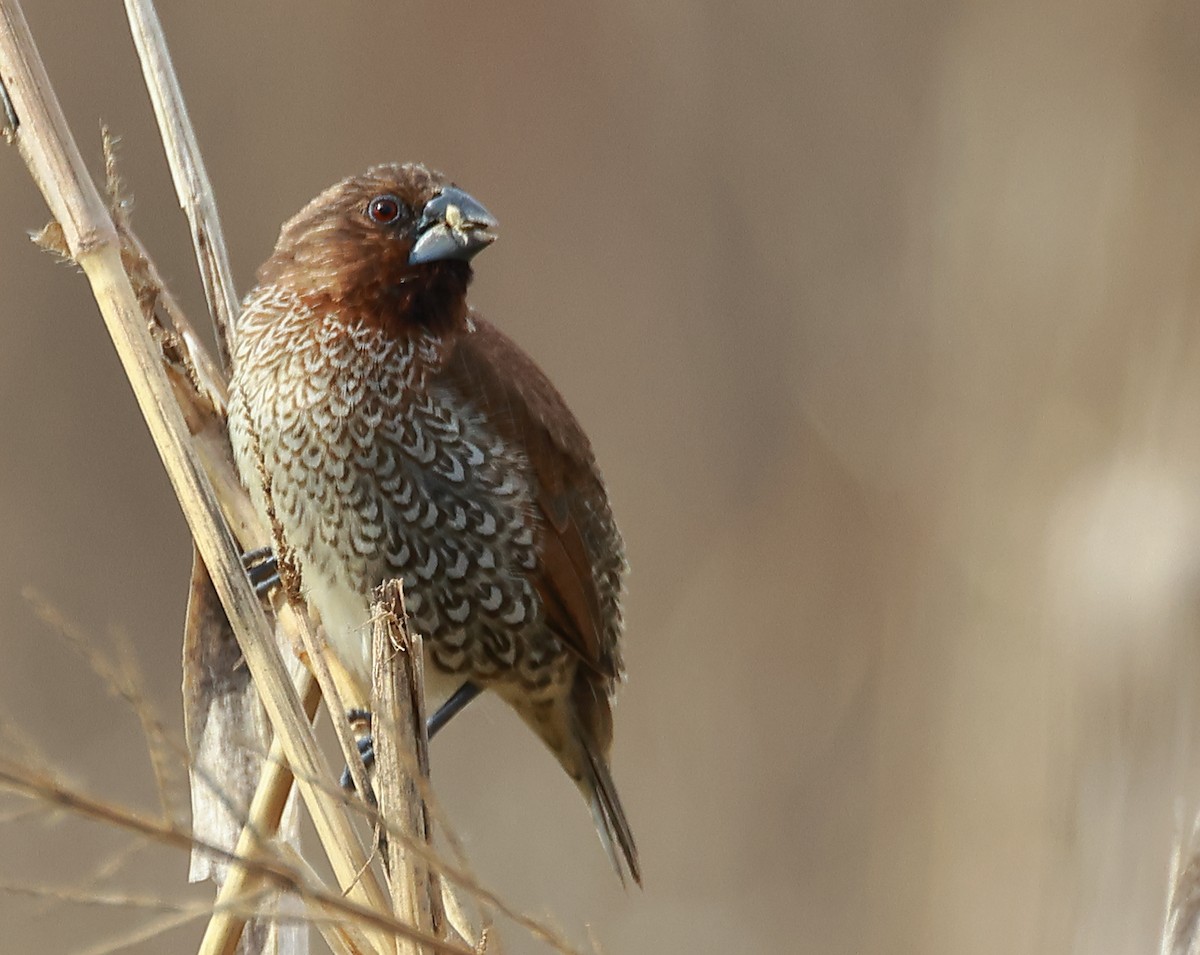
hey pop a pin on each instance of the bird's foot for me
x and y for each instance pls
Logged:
(360, 722)
(262, 567)
(366, 751)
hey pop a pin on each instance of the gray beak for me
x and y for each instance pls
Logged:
(453, 226)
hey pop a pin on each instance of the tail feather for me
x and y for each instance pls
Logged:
(577, 728)
(598, 789)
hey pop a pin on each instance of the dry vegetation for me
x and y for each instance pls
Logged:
(916, 380)
(408, 898)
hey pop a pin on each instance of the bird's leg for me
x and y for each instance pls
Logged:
(360, 720)
(457, 702)
(360, 723)
(262, 567)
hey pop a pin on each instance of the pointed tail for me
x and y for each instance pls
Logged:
(577, 728)
(590, 721)
(596, 784)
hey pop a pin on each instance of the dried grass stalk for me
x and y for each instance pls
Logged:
(221, 703)
(181, 393)
(187, 169)
(44, 141)
(398, 708)
(263, 818)
(348, 918)
(1181, 924)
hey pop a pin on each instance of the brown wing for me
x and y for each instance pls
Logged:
(581, 551)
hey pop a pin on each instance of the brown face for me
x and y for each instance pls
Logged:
(382, 240)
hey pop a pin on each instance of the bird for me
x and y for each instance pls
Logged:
(386, 430)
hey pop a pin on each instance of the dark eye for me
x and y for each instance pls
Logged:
(384, 209)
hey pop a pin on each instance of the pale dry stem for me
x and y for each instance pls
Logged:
(234, 903)
(196, 456)
(1181, 923)
(399, 720)
(55, 164)
(287, 877)
(266, 810)
(187, 169)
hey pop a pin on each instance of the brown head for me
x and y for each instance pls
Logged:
(392, 246)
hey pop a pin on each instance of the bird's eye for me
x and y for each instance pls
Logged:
(384, 209)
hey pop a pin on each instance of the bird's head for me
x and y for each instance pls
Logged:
(392, 245)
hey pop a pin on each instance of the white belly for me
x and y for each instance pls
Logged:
(346, 618)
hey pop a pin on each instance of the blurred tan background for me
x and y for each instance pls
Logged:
(882, 318)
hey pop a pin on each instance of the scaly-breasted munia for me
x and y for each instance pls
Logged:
(386, 430)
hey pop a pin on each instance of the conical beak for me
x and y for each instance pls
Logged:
(453, 226)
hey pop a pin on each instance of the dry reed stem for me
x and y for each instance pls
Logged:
(336, 684)
(398, 720)
(195, 195)
(31, 118)
(265, 812)
(185, 348)
(462, 877)
(343, 939)
(125, 682)
(174, 914)
(45, 144)
(196, 198)
(295, 877)
(117, 900)
(187, 169)
(1181, 921)
(205, 421)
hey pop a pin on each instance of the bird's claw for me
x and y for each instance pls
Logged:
(366, 752)
(360, 720)
(262, 567)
